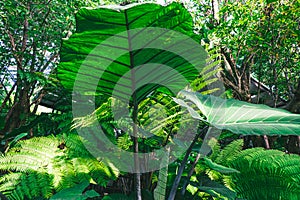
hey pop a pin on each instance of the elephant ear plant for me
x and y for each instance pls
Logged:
(129, 53)
(240, 118)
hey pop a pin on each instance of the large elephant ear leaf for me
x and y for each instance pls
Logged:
(242, 117)
(134, 49)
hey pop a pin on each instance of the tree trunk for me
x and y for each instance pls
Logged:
(293, 142)
(19, 111)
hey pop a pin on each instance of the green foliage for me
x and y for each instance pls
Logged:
(75, 193)
(150, 105)
(33, 123)
(229, 152)
(29, 184)
(94, 32)
(31, 33)
(208, 180)
(208, 73)
(215, 189)
(39, 167)
(51, 163)
(158, 119)
(267, 31)
(219, 168)
(116, 196)
(271, 1)
(241, 117)
(265, 174)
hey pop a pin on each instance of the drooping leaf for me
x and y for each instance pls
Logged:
(219, 168)
(16, 139)
(242, 117)
(122, 50)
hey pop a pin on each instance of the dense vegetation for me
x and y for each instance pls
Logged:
(156, 100)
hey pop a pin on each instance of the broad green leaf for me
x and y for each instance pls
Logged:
(75, 193)
(242, 117)
(121, 50)
(213, 188)
(219, 168)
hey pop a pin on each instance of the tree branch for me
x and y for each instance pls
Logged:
(7, 98)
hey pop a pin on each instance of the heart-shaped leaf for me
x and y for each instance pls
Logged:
(126, 51)
(242, 117)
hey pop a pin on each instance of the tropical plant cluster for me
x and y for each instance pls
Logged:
(150, 100)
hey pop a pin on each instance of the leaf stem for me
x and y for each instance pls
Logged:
(137, 175)
(183, 164)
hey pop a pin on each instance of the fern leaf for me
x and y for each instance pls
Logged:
(229, 152)
(265, 174)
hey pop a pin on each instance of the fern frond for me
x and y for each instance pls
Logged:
(102, 114)
(40, 166)
(215, 147)
(265, 174)
(33, 154)
(26, 185)
(208, 73)
(229, 152)
(125, 142)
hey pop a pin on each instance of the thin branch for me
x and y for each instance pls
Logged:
(51, 59)
(7, 98)
(25, 31)
(228, 81)
(245, 66)
(37, 102)
(232, 66)
(12, 40)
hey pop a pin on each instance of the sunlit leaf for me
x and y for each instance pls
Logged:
(122, 50)
(242, 117)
